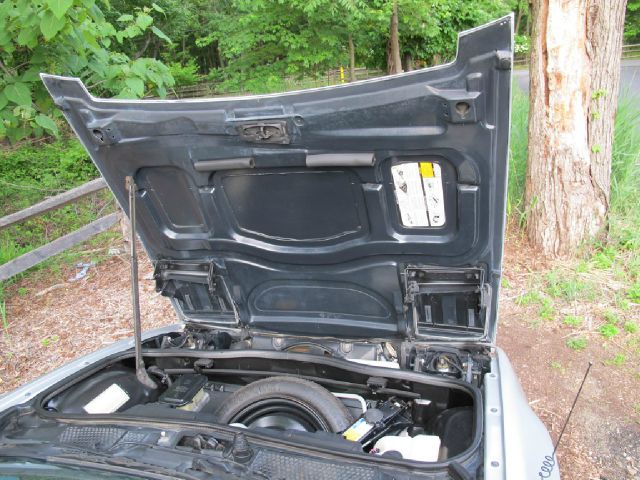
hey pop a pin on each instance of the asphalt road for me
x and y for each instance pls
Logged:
(630, 78)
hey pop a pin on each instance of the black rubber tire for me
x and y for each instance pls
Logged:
(307, 395)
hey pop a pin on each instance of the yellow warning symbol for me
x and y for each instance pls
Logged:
(426, 169)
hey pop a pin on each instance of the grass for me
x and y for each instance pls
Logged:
(618, 360)
(577, 343)
(630, 327)
(572, 320)
(529, 298)
(546, 311)
(3, 314)
(608, 331)
(30, 173)
(569, 288)
(518, 153)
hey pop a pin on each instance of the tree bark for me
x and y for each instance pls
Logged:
(394, 64)
(574, 83)
(352, 60)
(519, 16)
(145, 45)
(407, 62)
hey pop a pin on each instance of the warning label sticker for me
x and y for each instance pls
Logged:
(419, 193)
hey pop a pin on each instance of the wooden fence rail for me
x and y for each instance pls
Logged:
(32, 258)
(52, 203)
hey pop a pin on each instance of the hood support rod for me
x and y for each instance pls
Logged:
(141, 371)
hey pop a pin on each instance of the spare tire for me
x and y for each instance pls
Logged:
(286, 403)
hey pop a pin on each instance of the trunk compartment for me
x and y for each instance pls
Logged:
(421, 417)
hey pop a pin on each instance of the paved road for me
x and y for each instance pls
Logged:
(630, 78)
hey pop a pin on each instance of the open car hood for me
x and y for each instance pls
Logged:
(368, 210)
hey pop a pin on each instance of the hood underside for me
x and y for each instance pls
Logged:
(372, 209)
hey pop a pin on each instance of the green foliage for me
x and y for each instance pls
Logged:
(604, 258)
(518, 152)
(572, 320)
(67, 37)
(523, 44)
(528, 298)
(630, 327)
(634, 292)
(47, 341)
(577, 343)
(608, 330)
(567, 287)
(30, 173)
(611, 317)
(184, 74)
(546, 311)
(632, 22)
(618, 360)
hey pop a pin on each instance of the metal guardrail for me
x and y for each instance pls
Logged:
(32, 258)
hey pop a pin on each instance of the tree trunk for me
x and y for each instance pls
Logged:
(352, 60)
(407, 62)
(574, 82)
(394, 64)
(521, 9)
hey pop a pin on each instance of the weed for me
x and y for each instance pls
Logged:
(611, 317)
(572, 320)
(546, 310)
(577, 343)
(630, 327)
(528, 298)
(557, 366)
(504, 283)
(621, 302)
(49, 340)
(582, 266)
(3, 314)
(22, 291)
(518, 154)
(604, 259)
(634, 292)
(608, 331)
(618, 360)
(569, 288)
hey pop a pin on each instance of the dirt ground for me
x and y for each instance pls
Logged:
(52, 320)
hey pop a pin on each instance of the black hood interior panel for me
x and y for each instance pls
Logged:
(285, 212)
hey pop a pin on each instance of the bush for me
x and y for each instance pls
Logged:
(184, 74)
(32, 172)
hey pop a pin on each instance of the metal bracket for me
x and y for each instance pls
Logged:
(265, 132)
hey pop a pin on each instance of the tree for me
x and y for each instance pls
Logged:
(68, 37)
(632, 22)
(574, 82)
(394, 64)
(262, 42)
